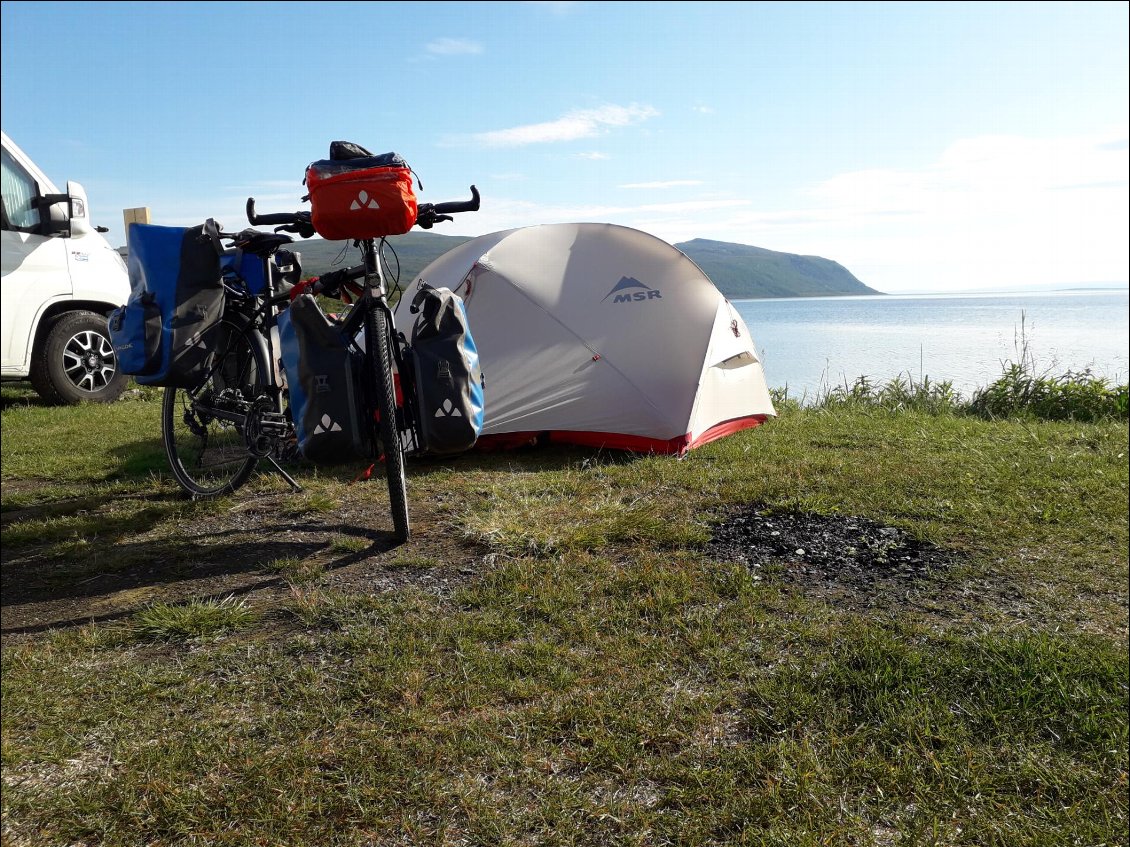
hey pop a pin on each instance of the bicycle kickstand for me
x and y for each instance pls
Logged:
(285, 475)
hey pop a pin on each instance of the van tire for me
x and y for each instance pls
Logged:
(76, 362)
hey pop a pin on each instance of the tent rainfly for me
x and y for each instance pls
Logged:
(601, 335)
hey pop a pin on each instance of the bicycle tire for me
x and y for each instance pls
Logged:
(208, 455)
(381, 361)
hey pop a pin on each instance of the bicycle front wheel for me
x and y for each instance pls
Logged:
(382, 360)
(203, 428)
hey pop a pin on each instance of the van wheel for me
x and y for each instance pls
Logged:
(76, 362)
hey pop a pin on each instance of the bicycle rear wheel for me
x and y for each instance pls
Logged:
(203, 428)
(381, 360)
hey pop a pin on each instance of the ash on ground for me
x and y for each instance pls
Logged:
(842, 550)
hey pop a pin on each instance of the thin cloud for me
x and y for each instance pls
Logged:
(671, 183)
(557, 7)
(454, 47)
(272, 185)
(592, 157)
(1084, 186)
(993, 210)
(581, 123)
(980, 176)
(508, 213)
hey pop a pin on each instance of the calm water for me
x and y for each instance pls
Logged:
(812, 344)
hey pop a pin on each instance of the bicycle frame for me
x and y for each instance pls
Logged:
(374, 297)
(239, 415)
(263, 425)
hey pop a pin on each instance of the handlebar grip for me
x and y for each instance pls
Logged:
(471, 205)
(277, 218)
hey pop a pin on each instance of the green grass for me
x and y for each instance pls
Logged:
(600, 678)
(297, 571)
(1020, 392)
(1023, 390)
(197, 619)
(1070, 396)
(81, 454)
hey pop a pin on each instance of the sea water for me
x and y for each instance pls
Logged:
(811, 345)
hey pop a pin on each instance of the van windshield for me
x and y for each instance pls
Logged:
(18, 192)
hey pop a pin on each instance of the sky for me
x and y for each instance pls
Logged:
(926, 147)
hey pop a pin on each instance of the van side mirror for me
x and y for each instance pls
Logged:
(64, 215)
(54, 214)
(80, 210)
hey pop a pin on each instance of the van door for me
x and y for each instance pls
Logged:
(35, 267)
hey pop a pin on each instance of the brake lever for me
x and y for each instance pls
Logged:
(428, 218)
(305, 230)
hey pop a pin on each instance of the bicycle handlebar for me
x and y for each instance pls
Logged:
(427, 215)
(275, 218)
(457, 206)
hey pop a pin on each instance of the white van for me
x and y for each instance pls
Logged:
(60, 280)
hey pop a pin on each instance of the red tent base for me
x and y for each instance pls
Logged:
(618, 441)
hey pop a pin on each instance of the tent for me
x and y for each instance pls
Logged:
(601, 335)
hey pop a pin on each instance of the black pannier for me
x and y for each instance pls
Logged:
(323, 376)
(447, 376)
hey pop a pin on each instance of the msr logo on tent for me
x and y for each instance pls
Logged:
(629, 289)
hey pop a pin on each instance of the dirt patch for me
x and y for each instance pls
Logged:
(236, 551)
(859, 561)
(851, 561)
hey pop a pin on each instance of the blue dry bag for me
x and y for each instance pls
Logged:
(161, 335)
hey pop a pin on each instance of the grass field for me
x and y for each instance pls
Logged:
(562, 655)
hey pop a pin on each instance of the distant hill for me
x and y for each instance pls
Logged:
(739, 271)
(744, 272)
(415, 250)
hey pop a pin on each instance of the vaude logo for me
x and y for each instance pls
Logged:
(448, 410)
(364, 201)
(327, 424)
(629, 289)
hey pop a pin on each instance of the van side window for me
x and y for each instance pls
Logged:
(18, 192)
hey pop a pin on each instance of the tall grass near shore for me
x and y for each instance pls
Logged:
(1018, 392)
(1022, 390)
(1026, 387)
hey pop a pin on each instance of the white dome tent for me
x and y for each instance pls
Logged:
(601, 335)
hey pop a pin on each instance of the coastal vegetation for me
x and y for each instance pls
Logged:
(1017, 393)
(890, 616)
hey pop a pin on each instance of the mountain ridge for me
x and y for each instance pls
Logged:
(740, 271)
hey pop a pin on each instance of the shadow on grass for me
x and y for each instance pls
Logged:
(533, 458)
(116, 572)
(16, 394)
(72, 559)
